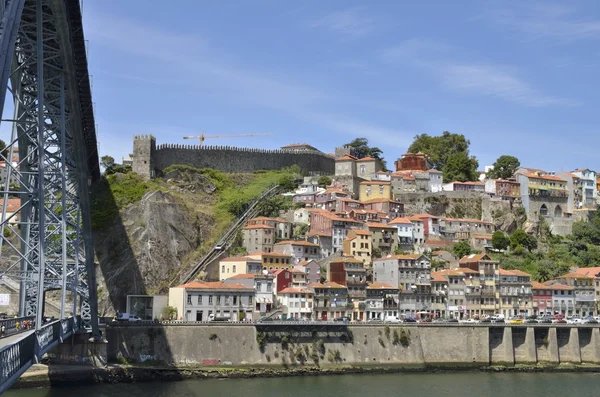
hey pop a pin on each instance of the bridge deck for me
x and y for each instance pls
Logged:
(9, 340)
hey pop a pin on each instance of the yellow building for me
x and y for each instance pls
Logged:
(358, 245)
(273, 260)
(370, 190)
(229, 267)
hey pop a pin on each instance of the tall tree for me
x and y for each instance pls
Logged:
(460, 167)
(499, 240)
(504, 167)
(448, 148)
(107, 162)
(3, 150)
(360, 148)
(461, 249)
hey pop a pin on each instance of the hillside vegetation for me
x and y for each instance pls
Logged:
(146, 232)
(550, 256)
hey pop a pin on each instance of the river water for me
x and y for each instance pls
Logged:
(462, 384)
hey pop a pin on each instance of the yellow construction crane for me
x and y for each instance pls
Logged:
(202, 137)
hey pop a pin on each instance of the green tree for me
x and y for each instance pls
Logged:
(504, 167)
(460, 167)
(360, 148)
(461, 249)
(3, 150)
(586, 232)
(107, 162)
(300, 229)
(287, 182)
(376, 253)
(324, 181)
(499, 240)
(448, 148)
(521, 238)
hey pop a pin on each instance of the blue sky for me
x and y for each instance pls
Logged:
(516, 78)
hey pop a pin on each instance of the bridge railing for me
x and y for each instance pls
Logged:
(11, 326)
(15, 359)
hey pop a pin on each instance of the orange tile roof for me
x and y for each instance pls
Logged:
(238, 259)
(368, 158)
(574, 275)
(466, 270)
(346, 158)
(468, 183)
(305, 263)
(213, 285)
(425, 216)
(588, 271)
(483, 236)
(545, 176)
(466, 220)
(297, 242)
(399, 221)
(329, 284)
(381, 286)
(514, 272)
(361, 232)
(242, 276)
(259, 226)
(294, 290)
(473, 258)
(378, 225)
(375, 183)
(13, 204)
(438, 243)
(310, 234)
(438, 277)
(560, 286)
(403, 257)
(536, 285)
(336, 191)
(346, 259)
(279, 254)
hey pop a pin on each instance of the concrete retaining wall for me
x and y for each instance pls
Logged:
(422, 346)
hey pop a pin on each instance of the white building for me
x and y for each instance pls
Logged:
(405, 231)
(264, 286)
(588, 178)
(436, 180)
(299, 250)
(296, 302)
(200, 301)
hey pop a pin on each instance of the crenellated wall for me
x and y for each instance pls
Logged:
(150, 159)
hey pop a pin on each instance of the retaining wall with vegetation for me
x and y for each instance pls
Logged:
(415, 347)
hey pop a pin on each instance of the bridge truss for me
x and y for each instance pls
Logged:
(50, 159)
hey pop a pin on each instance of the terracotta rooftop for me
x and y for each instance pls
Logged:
(378, 225)
(346, 158)
(381, 200)
(297, 242)
(375, 183)
(329, 284)
(213, 285)
(238, 259)
(361, 232)
(536, 285)
(575, 275)
(294, 290)
(402, 257)
(545, 176)
(401, 221)
(483, 236)
(13, 204)
(381, 286)
(588, 271)
(368, 158)
(473, 258)
(259, 226)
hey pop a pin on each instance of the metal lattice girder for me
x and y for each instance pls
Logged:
(51, 230)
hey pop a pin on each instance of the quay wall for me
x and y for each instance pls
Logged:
(423, 346)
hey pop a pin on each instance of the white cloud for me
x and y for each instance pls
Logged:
(495, 82)
(197, 62)
(475, 78)
(350, 23)
(544, 19)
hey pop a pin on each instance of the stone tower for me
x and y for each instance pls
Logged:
(144, 148)
(343, 151)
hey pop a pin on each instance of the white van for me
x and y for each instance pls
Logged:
(392, 319)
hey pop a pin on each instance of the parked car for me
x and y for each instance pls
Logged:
(440, 321)
(452, 320)
(375, 321)
(589, 320)
(266, 320)
(575, 321)
(126, 317)
(345, 319)
(392, 319)
(516, 320)
(544, 320)
(472, 321)
(487, 320)
(409, 320)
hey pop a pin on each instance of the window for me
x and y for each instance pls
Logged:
(250, 300)
(199, 299)
(189, 299)
(269, 287)
(210, 300)
(233, 268)
(235, 300)
(223, 269)
(218, 299)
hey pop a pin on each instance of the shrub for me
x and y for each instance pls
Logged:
(261, 339)
(381, 342)
(396, 339)
(404, 337)
(387, 331)
(213, 337)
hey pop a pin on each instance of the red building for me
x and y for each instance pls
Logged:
(282, 280)
(542, 298)
(412, 162)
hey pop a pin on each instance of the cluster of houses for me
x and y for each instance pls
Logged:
(254, 286)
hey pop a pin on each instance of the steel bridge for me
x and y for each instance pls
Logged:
(49, 162)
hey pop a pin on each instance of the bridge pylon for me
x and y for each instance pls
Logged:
(50, 159)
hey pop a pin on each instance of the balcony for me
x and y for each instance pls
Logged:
(356, 281)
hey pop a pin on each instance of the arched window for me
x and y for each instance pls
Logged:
(558, 211)
(544, 210)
